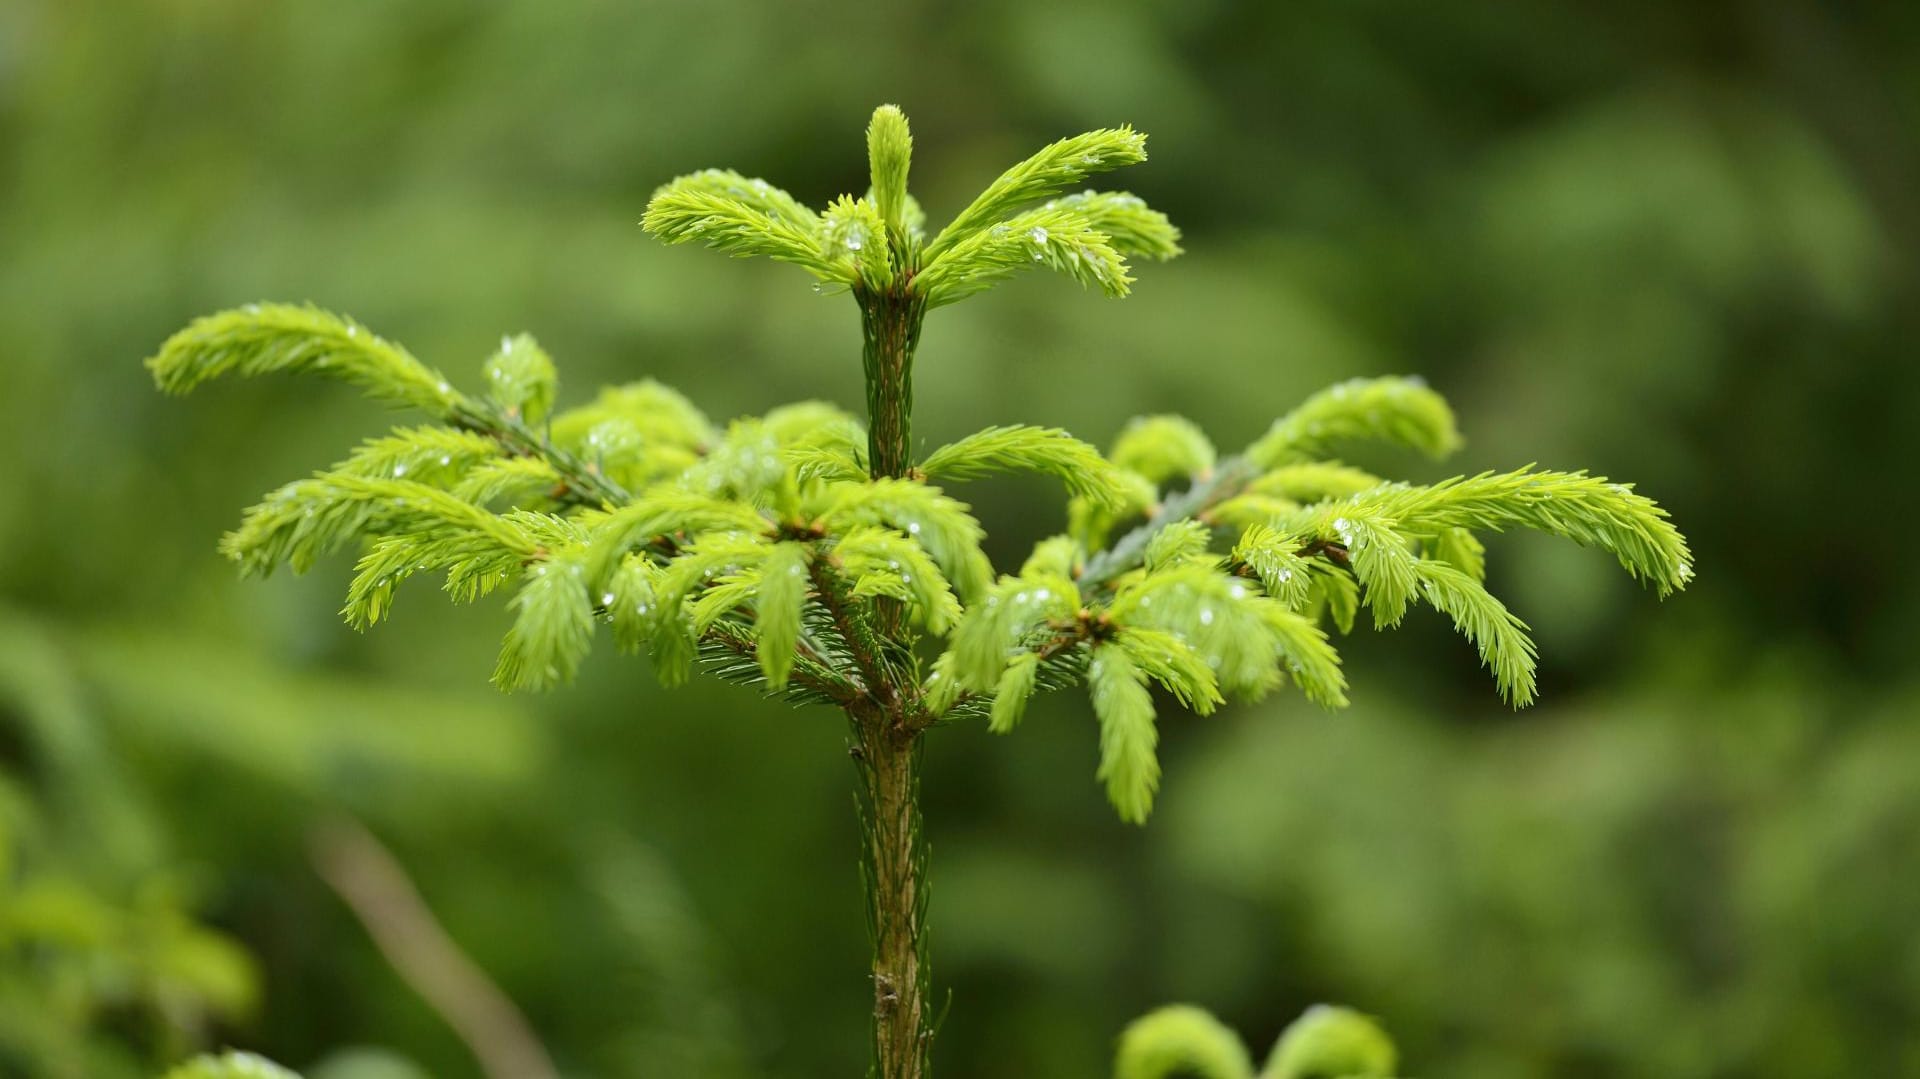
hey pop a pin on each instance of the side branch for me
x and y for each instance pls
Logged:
(814, 672)
(862, 640)
(584, 484)
(1229, 478)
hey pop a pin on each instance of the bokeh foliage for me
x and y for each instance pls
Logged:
(1671, 242)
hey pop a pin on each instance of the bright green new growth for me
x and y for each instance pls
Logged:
(1181, 1039)
(768, 541)
(783, 551)
(1038, 449)
(1331, 1041)
(890, 154)
(1325, 1043)
(877, 241)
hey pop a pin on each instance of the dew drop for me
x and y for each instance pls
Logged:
(399, 470)
(1043, 595)
(1206, 616)
(606, 600)
(1238, 591)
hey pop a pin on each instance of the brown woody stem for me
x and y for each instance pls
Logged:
(887, 747)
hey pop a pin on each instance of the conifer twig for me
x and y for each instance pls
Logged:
(1227, 479)
(808, 553)
(584, 482)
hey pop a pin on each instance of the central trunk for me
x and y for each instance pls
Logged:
(896, 866)
(888, 748)
(891, 326)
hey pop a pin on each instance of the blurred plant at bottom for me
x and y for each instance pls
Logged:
(1327, 1042)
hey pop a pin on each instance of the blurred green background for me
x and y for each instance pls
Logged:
(1670, 242)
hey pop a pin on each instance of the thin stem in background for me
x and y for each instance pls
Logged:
(373, 883)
